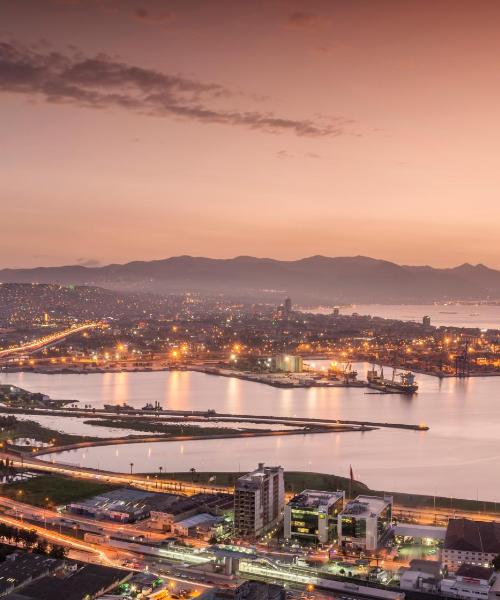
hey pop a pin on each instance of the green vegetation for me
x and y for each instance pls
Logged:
(53, 490)
(30, 540)
(173, 429)
(13, 428)
(296, 481)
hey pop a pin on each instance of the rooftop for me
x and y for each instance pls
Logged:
(22, 567)
(196, 520)
(126, 500)
(366, 506)
(86, 582)
(259, 472)
(185, 504)
(315, 499)
(473, 536)
(474, 572)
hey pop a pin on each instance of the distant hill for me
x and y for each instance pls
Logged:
(317, 279)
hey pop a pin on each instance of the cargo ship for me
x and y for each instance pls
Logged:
(405, 385)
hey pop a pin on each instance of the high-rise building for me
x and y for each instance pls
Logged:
(259, 499)
(364, 522)
(336, 311)
(426, 321)
(311, 516)
(288, 306)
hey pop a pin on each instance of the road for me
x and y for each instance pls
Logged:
(53, 517)
(419, 515)
(47, 340)
(136, 480)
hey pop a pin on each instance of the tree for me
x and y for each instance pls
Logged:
(58, 552)
(41, 547)
(496, 563)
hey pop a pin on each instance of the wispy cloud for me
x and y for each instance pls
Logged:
(102, 82)
(286, 154)
(146, 16)
(303, 20)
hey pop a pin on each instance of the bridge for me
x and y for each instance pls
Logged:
(47, 340)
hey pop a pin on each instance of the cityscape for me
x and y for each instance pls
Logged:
(249, 300)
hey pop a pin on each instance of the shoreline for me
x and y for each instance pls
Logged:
(208, 416)
(209, 370)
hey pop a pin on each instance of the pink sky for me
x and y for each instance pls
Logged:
(282, 129)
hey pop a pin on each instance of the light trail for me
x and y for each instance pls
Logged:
(47, 340)
(58, 538)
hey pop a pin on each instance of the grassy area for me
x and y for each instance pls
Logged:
(166, 428)
(53, 490)
(33, 430)
(296, 481)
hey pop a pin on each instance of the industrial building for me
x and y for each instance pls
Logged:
(259, 500)
(470, 582)
(124, 505)
(470, 542)
(166, 516)
(311, 516)
(201, 525)
(364, 522)
(287, 363)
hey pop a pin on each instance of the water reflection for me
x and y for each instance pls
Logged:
(457, 455)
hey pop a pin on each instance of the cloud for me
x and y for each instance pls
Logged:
(286, 154)
(102, 82)
(146, 16)
(303, 20)
(88, 262)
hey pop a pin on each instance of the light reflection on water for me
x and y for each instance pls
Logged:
(456, 457)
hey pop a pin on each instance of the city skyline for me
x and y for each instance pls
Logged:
(141, 130)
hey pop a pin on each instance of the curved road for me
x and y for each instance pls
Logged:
(47, 340)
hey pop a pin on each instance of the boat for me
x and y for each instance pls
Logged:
(405, 385)
(149, 406)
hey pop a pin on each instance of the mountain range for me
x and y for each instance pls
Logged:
(312, 280)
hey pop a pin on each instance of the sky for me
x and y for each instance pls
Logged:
(143, 129)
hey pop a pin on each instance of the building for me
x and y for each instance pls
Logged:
(288, 306)
(202, 525)
(426, 321)
(287, 363)
(311, 516)
(336, 311)
(22, 568)
(164, 517)
(422, 576)
(80, 583)
(124, 505)
(259, 499)
(470, 542)
(248, 590)
(469, 582)
(364, 522)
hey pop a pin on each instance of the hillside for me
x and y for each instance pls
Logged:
(315, 279)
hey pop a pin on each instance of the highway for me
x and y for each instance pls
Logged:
(38, 344)
(136, 480)
(420, 515)
(18, 509)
